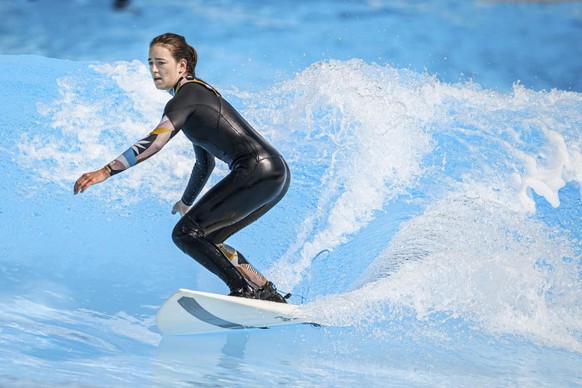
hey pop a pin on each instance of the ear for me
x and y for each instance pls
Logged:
(182, 65)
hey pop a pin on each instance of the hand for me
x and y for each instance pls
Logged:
(180, 207)
(89, 179)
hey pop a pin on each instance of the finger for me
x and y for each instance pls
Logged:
(77, 186)
(83, 183)
(86, 185)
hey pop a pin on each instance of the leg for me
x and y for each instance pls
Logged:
(238, 196)
(219, 236)
(189, 237)
(242, 265)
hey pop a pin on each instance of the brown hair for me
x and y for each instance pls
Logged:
(179, 49)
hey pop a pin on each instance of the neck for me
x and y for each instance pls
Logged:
(177, 86)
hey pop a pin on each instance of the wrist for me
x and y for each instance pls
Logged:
(107, 170)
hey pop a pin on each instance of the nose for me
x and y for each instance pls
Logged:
(153, 68)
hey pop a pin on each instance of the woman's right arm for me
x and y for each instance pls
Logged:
(145, 148)
(138, 152)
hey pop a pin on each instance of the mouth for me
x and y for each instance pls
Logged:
(157, 79)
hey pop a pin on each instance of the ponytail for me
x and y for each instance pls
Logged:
(192, 61)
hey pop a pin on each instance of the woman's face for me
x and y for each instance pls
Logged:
(164, 69)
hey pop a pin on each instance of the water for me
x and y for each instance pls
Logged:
(433, 224)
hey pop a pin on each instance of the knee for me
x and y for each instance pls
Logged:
(186, 230)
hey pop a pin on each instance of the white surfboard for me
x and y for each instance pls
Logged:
(191, 312)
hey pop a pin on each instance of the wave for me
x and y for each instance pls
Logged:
(412, 199)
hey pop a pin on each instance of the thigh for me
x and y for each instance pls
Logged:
(237, 196)
(220, 235)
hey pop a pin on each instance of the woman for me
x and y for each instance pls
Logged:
(259, 176)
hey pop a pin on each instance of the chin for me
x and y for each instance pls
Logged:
(160, 86)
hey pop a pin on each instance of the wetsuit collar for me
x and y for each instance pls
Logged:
(179, 84)
(189, 78)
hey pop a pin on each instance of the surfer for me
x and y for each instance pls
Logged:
(259, 176)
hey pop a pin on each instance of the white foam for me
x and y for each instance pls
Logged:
(371, 134)
(359, 137)
(556, 165)
(522, 142)
(370, 122)
(501, 271)
(94, 121)
(368, 133)
(367, 126)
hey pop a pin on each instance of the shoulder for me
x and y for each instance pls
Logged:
(195, 91)
(184, 97)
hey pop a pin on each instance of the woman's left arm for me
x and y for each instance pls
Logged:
(137, 153)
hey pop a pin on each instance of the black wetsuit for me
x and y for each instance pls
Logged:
(258, 179)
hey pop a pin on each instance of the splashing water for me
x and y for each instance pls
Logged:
(418, 208)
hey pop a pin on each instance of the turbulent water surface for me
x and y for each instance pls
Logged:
(433, 225)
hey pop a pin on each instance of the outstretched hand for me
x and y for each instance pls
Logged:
(89, 179)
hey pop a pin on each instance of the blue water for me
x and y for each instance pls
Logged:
(433, 224)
